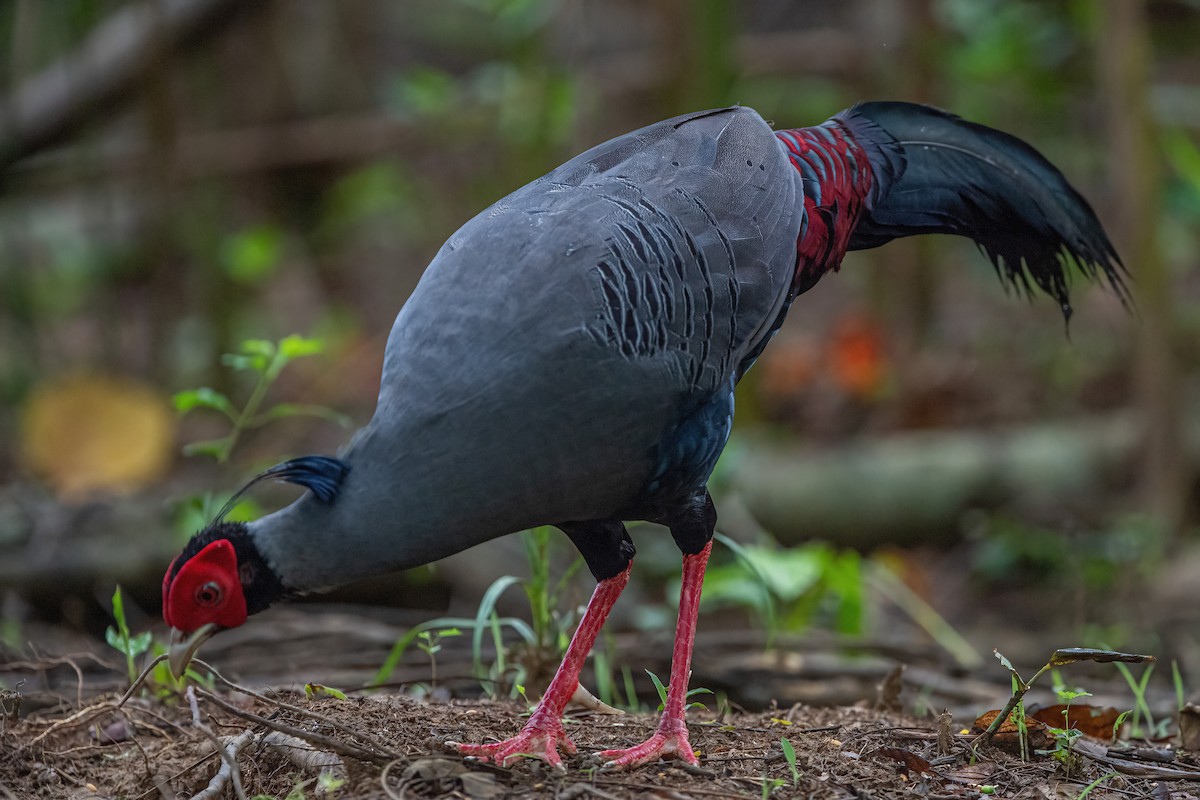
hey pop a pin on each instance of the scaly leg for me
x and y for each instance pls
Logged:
(671, 738)
(543, 735)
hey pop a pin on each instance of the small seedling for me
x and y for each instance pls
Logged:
(547, 633)
(1141, 709)
(430, 643)
(1120, 721)
(267, 360)
(662, 692)
(771, 785)
(789, 755)
(120, 638)
(328, 783)
(1064, 737)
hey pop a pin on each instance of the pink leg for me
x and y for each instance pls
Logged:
(671, 738)
(543, 735)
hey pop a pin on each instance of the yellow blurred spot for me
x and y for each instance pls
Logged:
(93, 434)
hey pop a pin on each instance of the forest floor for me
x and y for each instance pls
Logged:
(389, 746)
(65, 733)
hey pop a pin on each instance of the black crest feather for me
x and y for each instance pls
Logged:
(321, 475)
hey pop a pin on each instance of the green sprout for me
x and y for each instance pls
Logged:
(662, 693)
(789, 755)
(267, 360)
(430, 644)
(122, 640)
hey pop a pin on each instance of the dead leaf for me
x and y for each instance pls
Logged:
(971, 774)
(1189, 727)
(1069, 655)
(481, 785)
(910, 760)
(89, 434)
(1093, 721)
(1007, 736)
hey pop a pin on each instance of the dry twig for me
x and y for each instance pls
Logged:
(228, 774)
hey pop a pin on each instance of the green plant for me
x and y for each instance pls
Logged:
(546, 635)
(1088, 789)
(771, 785)
(430, 643)
(790, 587)
(1064, 737)
(122, 640)
(789, 755)
(1015, 708)
(661, 688)
(266, 360)
(1141, 709)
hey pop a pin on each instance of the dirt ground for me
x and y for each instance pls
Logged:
(389, 745)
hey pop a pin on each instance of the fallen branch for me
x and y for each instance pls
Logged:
(228, 774)
(129, 43)
(304, 712)
(302, 754)
(336, 745)
(1098, 752)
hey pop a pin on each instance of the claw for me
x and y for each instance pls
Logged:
(585, 699)
(539, 738)
(669, 741)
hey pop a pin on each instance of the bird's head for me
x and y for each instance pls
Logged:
(221, 578)
(214, 584)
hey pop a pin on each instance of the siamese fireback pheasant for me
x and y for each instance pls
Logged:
(570, 356)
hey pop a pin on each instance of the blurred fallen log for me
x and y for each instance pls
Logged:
(916, 487)
(105, 67)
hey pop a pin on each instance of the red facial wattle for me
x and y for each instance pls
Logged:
(205, 590)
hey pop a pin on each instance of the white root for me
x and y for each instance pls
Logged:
(228, 773)
(302, 754)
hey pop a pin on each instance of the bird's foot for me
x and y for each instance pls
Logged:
(540, 738)
(669, 741)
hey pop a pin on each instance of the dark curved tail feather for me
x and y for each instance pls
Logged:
(939, 173)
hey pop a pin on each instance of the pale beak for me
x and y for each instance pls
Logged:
(182, 649)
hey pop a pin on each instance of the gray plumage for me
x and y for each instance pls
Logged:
(543, 367)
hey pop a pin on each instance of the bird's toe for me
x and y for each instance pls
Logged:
(657, 747)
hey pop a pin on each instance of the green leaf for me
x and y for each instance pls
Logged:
(118, 607)
(255, 363)
(217, 448)
(789, 754)
(252, 255)
(313, 689)
(114, 639)
(258, 347)
(285, 410)
(296, 346)
(140, 643)
(486, 606)
(203, 397)
(658, 687)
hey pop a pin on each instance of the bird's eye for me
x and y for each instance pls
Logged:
(209, 594)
